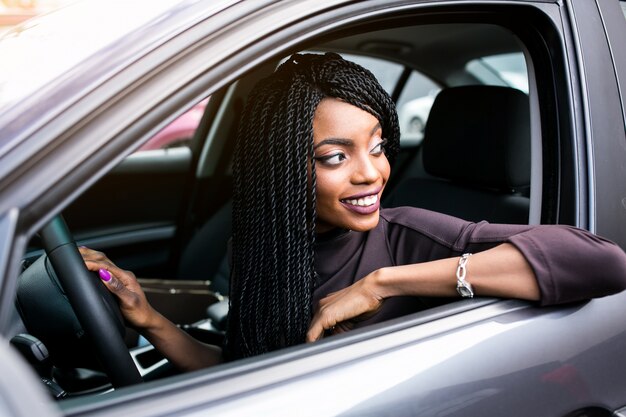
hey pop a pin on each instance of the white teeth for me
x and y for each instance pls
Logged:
(364, 201)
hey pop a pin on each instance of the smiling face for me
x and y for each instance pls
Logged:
(351, 168)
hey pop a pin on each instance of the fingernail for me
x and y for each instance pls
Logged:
(104, 275)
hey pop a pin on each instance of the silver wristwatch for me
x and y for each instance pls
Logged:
(463, 287)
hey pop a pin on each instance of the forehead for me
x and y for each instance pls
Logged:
(340, 119)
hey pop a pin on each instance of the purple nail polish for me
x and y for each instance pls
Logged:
(104, 275)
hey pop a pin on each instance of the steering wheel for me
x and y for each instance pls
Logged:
(94, 306)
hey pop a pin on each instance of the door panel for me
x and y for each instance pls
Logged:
(132, 212)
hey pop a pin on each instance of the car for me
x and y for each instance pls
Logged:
(413, 116)
(179, 132)
(94, 88)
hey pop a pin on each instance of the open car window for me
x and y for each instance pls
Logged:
(165, 224)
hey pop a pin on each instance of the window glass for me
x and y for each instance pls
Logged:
(414, 106)
(178, 133)
(419, 94)
(506, 69)
(623, 4)
(415, 100)
(387, 73)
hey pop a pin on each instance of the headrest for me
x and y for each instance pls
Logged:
(479, 135)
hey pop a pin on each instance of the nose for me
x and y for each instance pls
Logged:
(366, 171)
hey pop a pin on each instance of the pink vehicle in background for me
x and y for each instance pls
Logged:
(179, 132)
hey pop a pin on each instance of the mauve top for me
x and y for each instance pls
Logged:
(570, 264)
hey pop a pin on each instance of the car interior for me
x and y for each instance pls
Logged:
(167, 212)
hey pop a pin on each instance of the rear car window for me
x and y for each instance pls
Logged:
(419, 91)
(414, 106)
(415, 98)
(508, 70)
(386, 72)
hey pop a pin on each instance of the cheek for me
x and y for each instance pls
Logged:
(384, 168)
(331, 184)
(325, 187)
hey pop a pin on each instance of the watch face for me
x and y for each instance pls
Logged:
(464, 289)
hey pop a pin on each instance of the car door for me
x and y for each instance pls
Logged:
(475, 357)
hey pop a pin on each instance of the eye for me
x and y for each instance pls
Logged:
(379, 148)
(334, 159)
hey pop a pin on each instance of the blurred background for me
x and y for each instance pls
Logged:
(13, 12)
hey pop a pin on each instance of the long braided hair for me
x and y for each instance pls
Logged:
(274, 214)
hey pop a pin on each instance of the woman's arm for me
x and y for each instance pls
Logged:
(182, 350)
(552, 264)
(569, 263)
(501, 272)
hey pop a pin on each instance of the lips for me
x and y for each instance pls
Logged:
(364, 203)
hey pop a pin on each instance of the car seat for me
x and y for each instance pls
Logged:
(205, 256)
(476, 152)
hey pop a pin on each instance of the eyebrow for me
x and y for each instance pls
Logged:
(335, 141)
(343, 141)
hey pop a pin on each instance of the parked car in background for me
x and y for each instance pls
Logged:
(178, 133)
(102, 78)
(413, 116)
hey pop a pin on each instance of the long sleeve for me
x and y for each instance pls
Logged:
(570, 264)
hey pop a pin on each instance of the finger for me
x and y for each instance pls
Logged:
(126, 277)
(97, 265)
(93, 255)
(317, 328)
(114, 285)
(314, 334)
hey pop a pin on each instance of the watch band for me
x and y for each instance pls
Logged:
(463, 287)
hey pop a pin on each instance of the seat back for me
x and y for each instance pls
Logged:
(476, 151)
(205, 256)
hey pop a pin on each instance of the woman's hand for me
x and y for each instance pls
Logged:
(123, 284)
(338, 311)
(185, 352)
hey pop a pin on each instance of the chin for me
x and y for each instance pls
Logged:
(365, 225)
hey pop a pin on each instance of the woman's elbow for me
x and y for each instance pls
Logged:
(611, 269)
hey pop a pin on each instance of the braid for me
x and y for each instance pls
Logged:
(274, 196)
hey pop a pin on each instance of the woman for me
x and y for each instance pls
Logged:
(314, 253)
